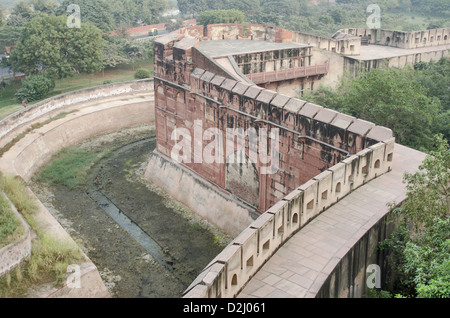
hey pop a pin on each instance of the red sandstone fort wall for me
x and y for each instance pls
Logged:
(311, 138)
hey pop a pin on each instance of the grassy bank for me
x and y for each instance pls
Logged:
(123, 73)
(49, 255)
(11, 229)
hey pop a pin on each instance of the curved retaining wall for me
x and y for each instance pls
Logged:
(227, 274)
(12, 254)
(64, 100)
(99, 111)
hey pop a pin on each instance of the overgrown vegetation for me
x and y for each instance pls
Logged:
(35, 87)
(50, 256)
(406, 100)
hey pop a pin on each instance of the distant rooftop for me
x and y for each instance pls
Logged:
(372, 52)
(221, 48)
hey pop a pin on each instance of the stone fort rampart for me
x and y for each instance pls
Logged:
(323, 155)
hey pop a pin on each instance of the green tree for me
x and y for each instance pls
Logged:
(420, 247)
(23, 9)
(97, 12)
(20, 14)
(8, 36)
(435, 77)
(390, 97)
(192, 7)
(35, 87)
(142, 73)
(113, 53)
(46, 44)
(137, 12)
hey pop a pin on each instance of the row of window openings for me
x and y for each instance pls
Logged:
(431, 39)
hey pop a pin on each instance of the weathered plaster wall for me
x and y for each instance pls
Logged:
(335, 66)
(311, 138)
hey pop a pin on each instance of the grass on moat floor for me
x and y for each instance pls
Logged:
(68, 167)
(11, 228)
(49, 255)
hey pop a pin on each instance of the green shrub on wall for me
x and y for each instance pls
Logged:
(35, 87)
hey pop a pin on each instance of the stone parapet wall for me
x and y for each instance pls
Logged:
(324, 155)
(228, 273)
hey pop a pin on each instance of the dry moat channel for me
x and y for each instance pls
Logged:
(143, 243)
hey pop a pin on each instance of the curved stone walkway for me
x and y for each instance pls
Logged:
(302, 265)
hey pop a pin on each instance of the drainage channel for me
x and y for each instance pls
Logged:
(139, 235)
(131, 227)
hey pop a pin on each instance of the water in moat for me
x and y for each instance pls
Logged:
(143, 243)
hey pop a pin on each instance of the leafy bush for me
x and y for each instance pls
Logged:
(35, 87)
(142, 73)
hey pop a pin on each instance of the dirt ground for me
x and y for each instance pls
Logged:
(127, 268)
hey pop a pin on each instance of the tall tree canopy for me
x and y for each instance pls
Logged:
(46, 44)
(389, 97)
(97, 12)
(420, 246)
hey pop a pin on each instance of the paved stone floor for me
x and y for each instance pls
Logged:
(301, 266)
